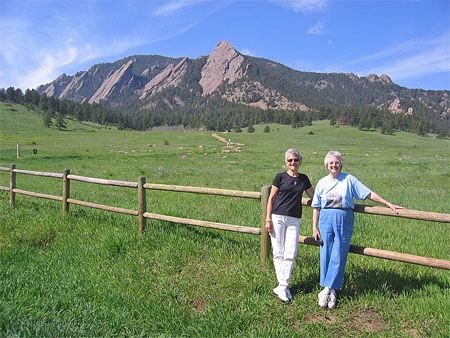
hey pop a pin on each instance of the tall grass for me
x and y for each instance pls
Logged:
(87, 274)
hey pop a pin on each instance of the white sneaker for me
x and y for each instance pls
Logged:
(332, 299)
(323, 297)
(281, 292)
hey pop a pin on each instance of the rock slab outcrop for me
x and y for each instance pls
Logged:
(121, 74)
(223, 64)
(170, 76)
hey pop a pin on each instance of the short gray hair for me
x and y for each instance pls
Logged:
(294, 152)
(333, 153)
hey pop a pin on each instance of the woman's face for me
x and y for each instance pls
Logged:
(292, 162)
(334, 165)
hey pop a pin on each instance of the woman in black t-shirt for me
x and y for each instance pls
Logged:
(284, 212)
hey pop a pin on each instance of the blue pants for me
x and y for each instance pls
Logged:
(336, 229)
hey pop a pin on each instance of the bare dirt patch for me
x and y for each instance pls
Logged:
(367, 320)
(199, 305)
(328, 318)
(229, 147)
(413, 332)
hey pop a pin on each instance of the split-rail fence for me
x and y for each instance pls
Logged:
(142, 186)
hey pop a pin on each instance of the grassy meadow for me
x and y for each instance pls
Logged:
(87, 274)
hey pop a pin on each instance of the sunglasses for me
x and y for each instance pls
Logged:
(290, 160)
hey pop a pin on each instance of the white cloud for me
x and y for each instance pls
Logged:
(404, 60)
(31, 64)
(426, 62)
(303, 6)
(317, 29)
(90, 52)
(247, 51)
(172, 6)
(30, 56)
(48, 68)
(13, 39)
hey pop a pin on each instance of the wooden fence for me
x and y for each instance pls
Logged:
(141, 186)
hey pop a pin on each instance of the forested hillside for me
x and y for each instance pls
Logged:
(227, 90)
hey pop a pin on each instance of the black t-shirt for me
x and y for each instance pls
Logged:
(288, 201)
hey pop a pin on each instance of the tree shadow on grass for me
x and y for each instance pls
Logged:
(365, 280)
(202, 233)
(360, 280)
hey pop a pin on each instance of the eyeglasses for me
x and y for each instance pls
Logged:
(290, 160)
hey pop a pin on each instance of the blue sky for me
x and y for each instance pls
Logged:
(407, 40)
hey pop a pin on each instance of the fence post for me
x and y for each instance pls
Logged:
(265, 240)
(142, 206)
(12, 186)
(66, 192)
(17, 151)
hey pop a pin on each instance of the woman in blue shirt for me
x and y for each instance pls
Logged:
(333, 221)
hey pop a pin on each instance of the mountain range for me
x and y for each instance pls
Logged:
(227, 77)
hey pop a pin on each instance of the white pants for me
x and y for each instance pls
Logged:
(284, 238)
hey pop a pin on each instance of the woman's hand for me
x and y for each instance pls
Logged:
(269, 226)
(316, 234)
(393, 207)
(377, 198)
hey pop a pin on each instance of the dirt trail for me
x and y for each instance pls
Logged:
(230, 147)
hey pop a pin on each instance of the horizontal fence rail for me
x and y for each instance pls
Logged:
(403, 213)
(102, 181)
(141, 186)
(207, 224)
(390, 255)
(201, 190)
(38, 195)
(38, 173)
(103, 207)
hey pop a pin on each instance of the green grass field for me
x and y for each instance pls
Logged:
(88, 274)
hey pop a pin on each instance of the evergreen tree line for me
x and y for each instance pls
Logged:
(368, 118)
(216, 114)
(55, 110)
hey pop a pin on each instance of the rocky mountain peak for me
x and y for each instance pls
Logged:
(224, 46)
(372, 78)
(396, 107)
(170, 76)
(386, 79)
(121, 74)
(74, 83)
(383, 79)
(58, 85)
(353, 77)
(223, 64)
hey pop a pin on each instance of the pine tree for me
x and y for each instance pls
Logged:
(333, 121)
(387, 127)
(60, 124)
(442, 131)
(43, 102)
(47, 119)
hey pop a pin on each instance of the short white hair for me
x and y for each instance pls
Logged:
(294, 152)
(333, 153)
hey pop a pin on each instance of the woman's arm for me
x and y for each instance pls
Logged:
(273, 194)
(316, 232)
(377, 198)
(310, 192)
